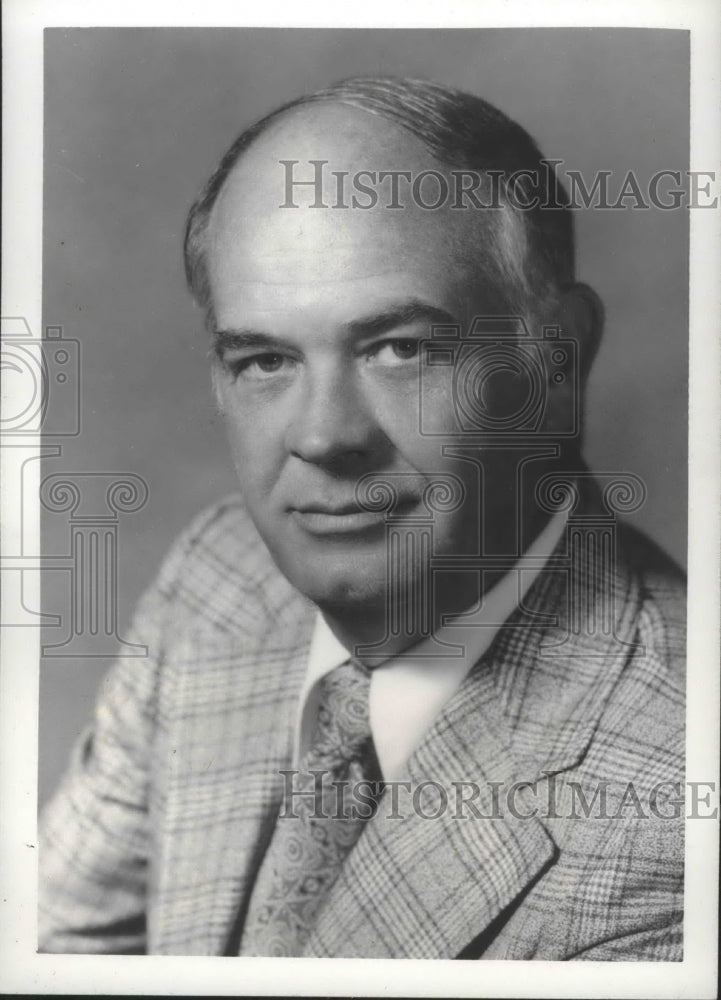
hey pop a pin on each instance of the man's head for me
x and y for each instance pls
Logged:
(319, 317)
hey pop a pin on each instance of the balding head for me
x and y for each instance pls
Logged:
(409, 126)
(253, 235)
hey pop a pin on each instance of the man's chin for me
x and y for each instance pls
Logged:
(340, 582)
(337, 592)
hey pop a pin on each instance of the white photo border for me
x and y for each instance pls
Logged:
(23, 970)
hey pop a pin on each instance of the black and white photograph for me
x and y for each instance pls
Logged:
(361, 534)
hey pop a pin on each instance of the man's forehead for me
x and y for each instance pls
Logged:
(335, 125)
(350, 139)
(253, 224)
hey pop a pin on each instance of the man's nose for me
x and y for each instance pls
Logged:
(332, 422)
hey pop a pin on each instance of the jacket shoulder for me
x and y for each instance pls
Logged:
(662, 595)
(643, 724)
(219, 574)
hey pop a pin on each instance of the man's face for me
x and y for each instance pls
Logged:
(320, 314)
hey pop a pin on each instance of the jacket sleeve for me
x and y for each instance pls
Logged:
(95, 836)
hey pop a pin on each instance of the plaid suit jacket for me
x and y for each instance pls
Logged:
(154, 838)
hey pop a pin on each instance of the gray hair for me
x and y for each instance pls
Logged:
(533, 251)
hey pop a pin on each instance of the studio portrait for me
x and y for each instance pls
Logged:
(364, 493)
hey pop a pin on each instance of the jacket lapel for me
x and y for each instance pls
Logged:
(417, 887)
(227, 736)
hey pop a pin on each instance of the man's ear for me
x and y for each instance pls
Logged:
(580, 314)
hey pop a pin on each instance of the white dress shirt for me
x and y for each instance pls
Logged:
(408, 692)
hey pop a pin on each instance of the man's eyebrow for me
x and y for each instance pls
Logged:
(228, 340)
(401, 315)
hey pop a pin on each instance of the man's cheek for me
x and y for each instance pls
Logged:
(402, 428)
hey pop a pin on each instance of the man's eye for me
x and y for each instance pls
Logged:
(396, 350)
(267, 363)
(259, 365)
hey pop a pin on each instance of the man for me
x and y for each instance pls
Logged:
(414, 693)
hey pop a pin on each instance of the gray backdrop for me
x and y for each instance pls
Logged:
(135, 121)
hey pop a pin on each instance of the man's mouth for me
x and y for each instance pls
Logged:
(342, 518)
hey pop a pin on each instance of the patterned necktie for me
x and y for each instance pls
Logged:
(318, 828)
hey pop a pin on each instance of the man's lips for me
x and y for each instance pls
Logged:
(341, 518)
(337, 509)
